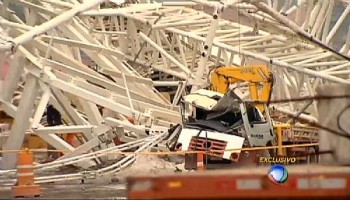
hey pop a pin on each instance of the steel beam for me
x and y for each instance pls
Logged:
(14, 76)
(21, 123)
(62, 18)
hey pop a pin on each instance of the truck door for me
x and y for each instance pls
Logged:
(258, 128)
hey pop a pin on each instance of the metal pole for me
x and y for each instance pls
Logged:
(207, 48)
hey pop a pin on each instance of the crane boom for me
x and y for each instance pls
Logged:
(255, 75)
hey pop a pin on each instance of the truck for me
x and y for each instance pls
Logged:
(223, 118)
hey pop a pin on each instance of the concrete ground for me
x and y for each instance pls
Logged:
(86, 191)
(110, 187)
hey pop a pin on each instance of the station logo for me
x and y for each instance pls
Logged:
(278, 160)
(278, 174)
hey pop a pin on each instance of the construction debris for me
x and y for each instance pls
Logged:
(118, 73)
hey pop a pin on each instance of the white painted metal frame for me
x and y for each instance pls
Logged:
(78, 54)
(63, 80)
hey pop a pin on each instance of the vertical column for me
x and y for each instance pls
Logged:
(334, 114)
(12, 79)
(207, 48)
(21, 122)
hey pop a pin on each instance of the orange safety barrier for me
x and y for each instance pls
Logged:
(70, 138)
(25, 186)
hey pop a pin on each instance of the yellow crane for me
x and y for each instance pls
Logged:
(260, 82)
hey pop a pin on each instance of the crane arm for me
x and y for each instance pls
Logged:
(222, 77)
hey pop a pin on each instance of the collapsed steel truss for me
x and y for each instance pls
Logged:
(133, 48)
